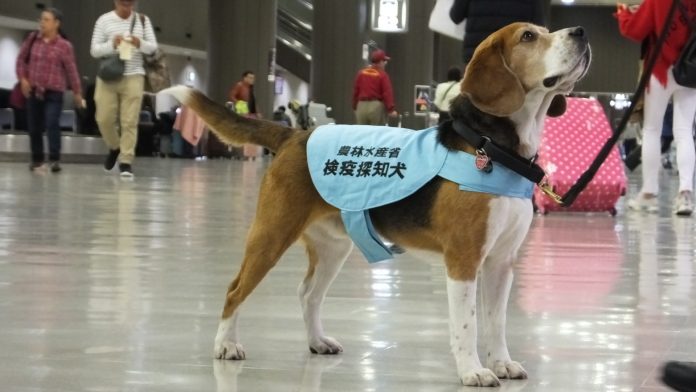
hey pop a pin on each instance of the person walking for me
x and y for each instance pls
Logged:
(45, 67)
(639, 23)
(484, 17)
(118, 102)
(373, 97)
(446, 92)
(242, 96)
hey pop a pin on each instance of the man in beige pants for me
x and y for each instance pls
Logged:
(124, 32)
(373, 97)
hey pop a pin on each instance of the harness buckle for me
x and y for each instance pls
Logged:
(548, 191)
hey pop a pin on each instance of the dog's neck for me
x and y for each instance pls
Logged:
(529, 122)
(501, 130)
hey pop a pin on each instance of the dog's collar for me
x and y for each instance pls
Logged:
(486, 149)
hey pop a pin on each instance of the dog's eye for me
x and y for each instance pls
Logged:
(528, 36)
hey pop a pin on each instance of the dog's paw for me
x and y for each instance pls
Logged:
(480, 378)
(229, 350)
(325, 345)
(508, 369)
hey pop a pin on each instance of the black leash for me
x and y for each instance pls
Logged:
(580, 185)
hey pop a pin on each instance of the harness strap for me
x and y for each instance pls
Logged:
(524, 167)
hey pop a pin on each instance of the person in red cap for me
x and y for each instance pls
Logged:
(373, 97)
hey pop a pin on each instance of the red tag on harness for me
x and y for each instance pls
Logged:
(483, 162)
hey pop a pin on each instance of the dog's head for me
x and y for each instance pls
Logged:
(524, 67)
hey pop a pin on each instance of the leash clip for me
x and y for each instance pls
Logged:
(548, 191)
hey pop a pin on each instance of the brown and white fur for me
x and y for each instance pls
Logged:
(516, 77)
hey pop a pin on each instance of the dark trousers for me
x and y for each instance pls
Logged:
(44, 114)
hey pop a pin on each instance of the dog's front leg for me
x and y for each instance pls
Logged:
(226, 339)
(461, 295)
(496, 281)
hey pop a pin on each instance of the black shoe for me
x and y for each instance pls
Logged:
(126, 170)
(680, 375)
(110, 161)
(35, 166)
(55, 167)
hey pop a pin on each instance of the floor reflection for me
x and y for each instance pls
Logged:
(108, 285)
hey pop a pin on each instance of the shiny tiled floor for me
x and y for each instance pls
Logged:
(108, 285)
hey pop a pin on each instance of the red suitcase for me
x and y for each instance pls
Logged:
(568, 146)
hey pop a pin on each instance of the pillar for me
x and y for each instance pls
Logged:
(412, 60)
(340, 28)
(242, 34)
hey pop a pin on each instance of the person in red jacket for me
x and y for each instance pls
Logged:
(373, 97)
(644, 23)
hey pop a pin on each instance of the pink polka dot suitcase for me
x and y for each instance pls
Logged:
(568, 146)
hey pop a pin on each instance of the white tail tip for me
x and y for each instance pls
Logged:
(181, 93)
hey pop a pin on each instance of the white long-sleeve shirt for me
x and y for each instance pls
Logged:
(110, 25)
(442, 100)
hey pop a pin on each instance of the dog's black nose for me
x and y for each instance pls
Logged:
(577, 32)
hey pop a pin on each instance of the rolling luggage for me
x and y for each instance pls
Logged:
(568, 147)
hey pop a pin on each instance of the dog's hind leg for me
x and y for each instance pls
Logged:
(269, 238)
(328, 247)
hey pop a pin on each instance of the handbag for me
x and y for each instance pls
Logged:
(156, 71)
(440, 21)
(17, 98)
(111, 67)
(684, 70)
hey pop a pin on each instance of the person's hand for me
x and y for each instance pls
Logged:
(135, 41)
(117, 40)
(393, 114)
(79, 101)
(26, 87)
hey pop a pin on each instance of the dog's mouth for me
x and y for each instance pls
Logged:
(577, 71)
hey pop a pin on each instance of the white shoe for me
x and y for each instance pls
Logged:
(684, 204)
(641, 203)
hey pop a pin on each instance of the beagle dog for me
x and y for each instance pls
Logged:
(516, 77)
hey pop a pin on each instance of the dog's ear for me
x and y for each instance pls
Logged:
(490, 84)
(557, 107)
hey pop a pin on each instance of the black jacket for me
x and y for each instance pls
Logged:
(484, 17)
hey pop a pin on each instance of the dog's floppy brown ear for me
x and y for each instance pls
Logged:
(557, 107)
(490, 84)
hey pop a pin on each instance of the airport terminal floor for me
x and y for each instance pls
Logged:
(108, 285)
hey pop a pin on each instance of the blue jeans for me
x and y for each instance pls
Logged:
(44, 114)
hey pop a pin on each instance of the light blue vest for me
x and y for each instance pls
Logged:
(359, 167)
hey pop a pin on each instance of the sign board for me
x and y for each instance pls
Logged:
(390, 16)
(422, 99)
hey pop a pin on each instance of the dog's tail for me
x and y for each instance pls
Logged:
(230, 127)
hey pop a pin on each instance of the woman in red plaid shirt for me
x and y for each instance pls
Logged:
(45, 68)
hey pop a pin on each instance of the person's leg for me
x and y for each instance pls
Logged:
(35, 123)
(684, 110)
(131, 100)
(53, 106)
(106, 101)
(656, 99)
(361, 113)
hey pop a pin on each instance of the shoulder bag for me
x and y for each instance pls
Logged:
(684, 70)
(156, 71)
(111, 67)
(17, 98)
